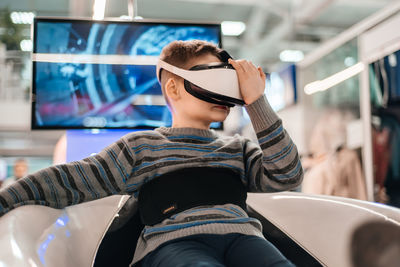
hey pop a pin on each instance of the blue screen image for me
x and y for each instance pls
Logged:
(102, 74)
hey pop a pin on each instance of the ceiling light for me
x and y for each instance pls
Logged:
(333, 80)
(99, 8)
(291, 55)
(127, 17)
(349, 61)
(22, 17)
(392, 60)
(233, 28)
(26, 45)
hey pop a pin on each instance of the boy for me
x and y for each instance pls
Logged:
(210, 231)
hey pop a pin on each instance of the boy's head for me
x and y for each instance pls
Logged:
(185, 107)
(184, 54)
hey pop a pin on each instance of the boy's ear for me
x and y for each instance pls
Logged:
(172, 89)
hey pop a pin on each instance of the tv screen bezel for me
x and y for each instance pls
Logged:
(35, 126)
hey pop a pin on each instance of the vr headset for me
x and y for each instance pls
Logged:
(215, 83)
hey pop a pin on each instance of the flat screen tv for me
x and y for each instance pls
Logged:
(281, 88)
(101, 74)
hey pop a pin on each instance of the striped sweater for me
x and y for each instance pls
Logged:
(123, 167)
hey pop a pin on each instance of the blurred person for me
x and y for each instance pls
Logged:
(60, 151)
(20, 171)
(332, 168)
(376, 244)
(3, 171)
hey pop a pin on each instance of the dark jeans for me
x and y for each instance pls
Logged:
(206, 250)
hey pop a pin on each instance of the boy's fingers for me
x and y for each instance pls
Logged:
(238, 67)
(252, 65)
(248, 69)
(233, 63)
(247, 66)
(244, 67)
(262, 74)
(242, 64)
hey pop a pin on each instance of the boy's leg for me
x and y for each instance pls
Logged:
(247, 250)
(183, 253)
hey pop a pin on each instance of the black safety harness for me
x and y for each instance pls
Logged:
(186, 188)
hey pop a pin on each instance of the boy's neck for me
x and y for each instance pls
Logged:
(196, 125)
(208, 133)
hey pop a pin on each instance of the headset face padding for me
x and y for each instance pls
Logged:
(216, 83)
(204, 95)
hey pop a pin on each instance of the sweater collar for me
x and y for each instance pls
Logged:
(187, 131)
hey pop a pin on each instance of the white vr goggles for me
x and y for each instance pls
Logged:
(216, 83)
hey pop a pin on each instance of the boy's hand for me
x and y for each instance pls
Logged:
(251, 80)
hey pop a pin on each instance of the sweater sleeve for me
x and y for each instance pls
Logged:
(58, 186)
(273, 164)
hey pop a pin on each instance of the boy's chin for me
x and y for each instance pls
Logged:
(219, 118)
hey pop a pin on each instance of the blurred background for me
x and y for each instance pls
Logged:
(334, 81)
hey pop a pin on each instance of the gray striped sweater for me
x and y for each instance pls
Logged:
(123, 167)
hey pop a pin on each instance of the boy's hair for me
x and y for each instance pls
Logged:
(181, 54)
